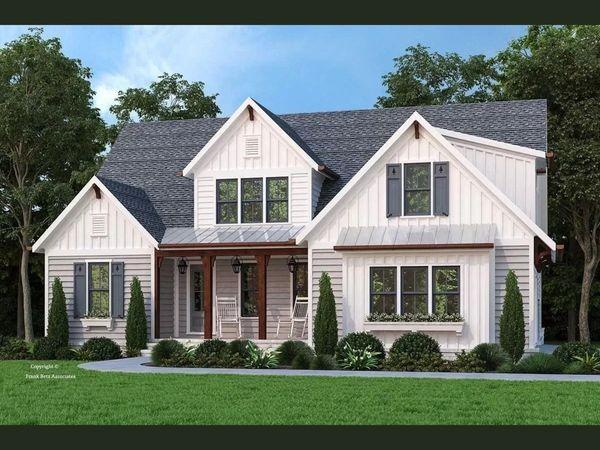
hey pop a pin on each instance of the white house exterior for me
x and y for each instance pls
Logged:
(409, 210)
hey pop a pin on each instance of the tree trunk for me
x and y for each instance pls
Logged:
(572, 323)
(20, 324)
(27, 314)
(589, 270)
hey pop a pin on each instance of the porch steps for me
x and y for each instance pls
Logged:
(265, 344)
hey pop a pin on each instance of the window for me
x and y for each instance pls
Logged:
(98, 290)
(227, 205)
(249, 287)
(417, 189)
(252, 200)
(198, 290)
(446, 290)
(300, 281)
(383, 292)
(277, 199)
(414, 290)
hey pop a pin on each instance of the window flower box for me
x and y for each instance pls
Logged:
(102, 322)
(451, 327)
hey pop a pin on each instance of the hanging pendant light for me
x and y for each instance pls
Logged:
(292, 263)
(182, 266)
(236, 264)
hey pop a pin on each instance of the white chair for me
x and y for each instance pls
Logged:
(298, 317)
(228, 313)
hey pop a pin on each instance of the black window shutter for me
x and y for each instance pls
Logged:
(394, 190)
(79, 278)
(441, 189)
(117, 285)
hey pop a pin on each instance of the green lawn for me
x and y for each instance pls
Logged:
(105, 398)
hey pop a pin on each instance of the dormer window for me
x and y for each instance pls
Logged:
(417, 189)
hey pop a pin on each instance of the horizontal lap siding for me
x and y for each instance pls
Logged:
(134, 265)
(167, 306)
(515, 258)
(331, 262)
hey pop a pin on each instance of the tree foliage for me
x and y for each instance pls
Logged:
(512, 319)
(326, 327)
(136, 330)
(58, 321)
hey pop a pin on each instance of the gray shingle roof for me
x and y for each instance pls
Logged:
(148, 155)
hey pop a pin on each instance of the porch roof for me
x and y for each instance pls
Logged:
(438, 236)
(231, 234)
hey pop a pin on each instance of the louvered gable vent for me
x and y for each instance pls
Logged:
(99, 225)
(252, 147)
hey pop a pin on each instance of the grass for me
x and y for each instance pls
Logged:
(115, 398)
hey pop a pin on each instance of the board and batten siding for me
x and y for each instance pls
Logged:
(365, 203)
(330, 261)
(514, 258)
(277, 158)
(167, 305)
(475, 281)
(133, 265)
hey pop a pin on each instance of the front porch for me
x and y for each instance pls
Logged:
(190, 284)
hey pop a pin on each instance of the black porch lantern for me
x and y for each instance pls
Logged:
(182, 266)
(236, 264)
(292, 263)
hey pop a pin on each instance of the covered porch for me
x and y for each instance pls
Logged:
(232, 288)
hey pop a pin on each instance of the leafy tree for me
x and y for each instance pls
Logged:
(169, 98)
(48, 129)
(136, 331)
(422, 77)
(58, 321)
(561, 64)
(512, 320)
(326, 327)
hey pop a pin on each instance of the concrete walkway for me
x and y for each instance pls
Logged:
(138, 365)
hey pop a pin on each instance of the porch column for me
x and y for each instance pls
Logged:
(262, 261)
(157, 264)
(207, 266)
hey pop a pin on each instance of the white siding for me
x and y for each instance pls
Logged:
(512, 173)
(134, 265)
(474, 285)
(317, 184)
(470, 201)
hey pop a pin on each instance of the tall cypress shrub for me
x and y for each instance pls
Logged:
(58, 322)
(136, 332)
(326, 327)
(512, 320)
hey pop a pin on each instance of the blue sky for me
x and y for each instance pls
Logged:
(287, 68)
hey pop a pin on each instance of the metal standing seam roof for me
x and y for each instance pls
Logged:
(234, 234)
(147, 156)
(416, 235)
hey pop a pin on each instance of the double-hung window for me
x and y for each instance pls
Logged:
(227, 201)
(414, 298)
(383, 291)
(252, 200)
(417, 189)
(277, 199)
(446, 290)
(98, 290)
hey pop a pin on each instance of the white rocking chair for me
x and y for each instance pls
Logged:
(298, 317)
(228, 313)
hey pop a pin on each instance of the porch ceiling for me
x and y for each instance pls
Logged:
(232, 234)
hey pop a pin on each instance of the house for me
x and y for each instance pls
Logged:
(415, 211)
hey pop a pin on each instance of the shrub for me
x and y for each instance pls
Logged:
(225, 359)
(512, 320)
(167, 351)
(65, 353)
(100, 349)
(3, 340)
(302, 361)
(491, 355)
(577, 368)
(591, 361)
(568, 351)
(58, 322)
(432, 362)
(261, 359)
(45, 348)
(214, 347)
(359, 358)
(359, 341)
(326, 327)
(136, 334)
(323, 362)
(415, 345)
(507, 367)
(288, 350)
(539, 363)
(239, 346)
(468, 362)
(15, 348)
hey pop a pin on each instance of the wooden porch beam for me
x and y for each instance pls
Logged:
(207, 269)
(262, 263)
(174, 252)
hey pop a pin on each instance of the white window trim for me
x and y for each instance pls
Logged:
(264, 200)
(87, 287)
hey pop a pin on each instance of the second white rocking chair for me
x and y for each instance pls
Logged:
(299, 317)
(228, 313)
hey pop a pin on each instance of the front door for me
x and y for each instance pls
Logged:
(196, 304)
